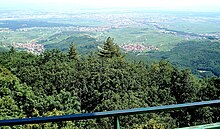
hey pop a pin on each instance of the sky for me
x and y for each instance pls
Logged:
(163, 4)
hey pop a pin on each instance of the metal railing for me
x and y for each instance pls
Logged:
(115, 114)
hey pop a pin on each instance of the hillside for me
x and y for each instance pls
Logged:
(57, 83)
(201, 57)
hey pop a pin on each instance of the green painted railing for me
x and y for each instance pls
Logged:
(116, 114)
(207, 126)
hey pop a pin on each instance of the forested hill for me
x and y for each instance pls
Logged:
(57, 83)
(202, 57)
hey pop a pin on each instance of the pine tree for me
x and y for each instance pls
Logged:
(109, 49)
(12, 50)
(73, 52)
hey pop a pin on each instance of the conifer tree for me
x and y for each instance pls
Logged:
(72, 52)
(109, 49)
(12, 50)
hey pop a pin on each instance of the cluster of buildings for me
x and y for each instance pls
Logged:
(93, 29)
(137, 47)
(32, 47)
(213, 35)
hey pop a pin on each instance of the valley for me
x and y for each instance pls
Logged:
(141, 33)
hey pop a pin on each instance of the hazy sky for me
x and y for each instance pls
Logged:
(169, 4)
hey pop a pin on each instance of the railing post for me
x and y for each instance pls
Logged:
(116, 123)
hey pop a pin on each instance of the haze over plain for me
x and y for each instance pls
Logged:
(183, 5)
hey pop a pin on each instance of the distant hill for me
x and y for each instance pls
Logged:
(202, 57)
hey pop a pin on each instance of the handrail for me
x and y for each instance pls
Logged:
(114, 113)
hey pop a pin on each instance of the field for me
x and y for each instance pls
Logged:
(138, 33)
(162, 30)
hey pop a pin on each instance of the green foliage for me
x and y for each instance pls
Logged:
(151, 124)
(12, 50)
(14, 96)
(52, 125)
(57, 83)
(157, 121)
(183, 87)
(72, 52)
(202, 57)
(109, 49)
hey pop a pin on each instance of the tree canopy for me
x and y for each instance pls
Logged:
(57, 83)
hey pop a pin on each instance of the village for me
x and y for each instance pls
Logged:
(137, 47)
(31, 47)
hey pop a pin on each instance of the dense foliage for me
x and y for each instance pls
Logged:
(202, 57)
(57, 83)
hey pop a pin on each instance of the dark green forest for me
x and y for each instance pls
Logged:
(196, 55)
(59, 83)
